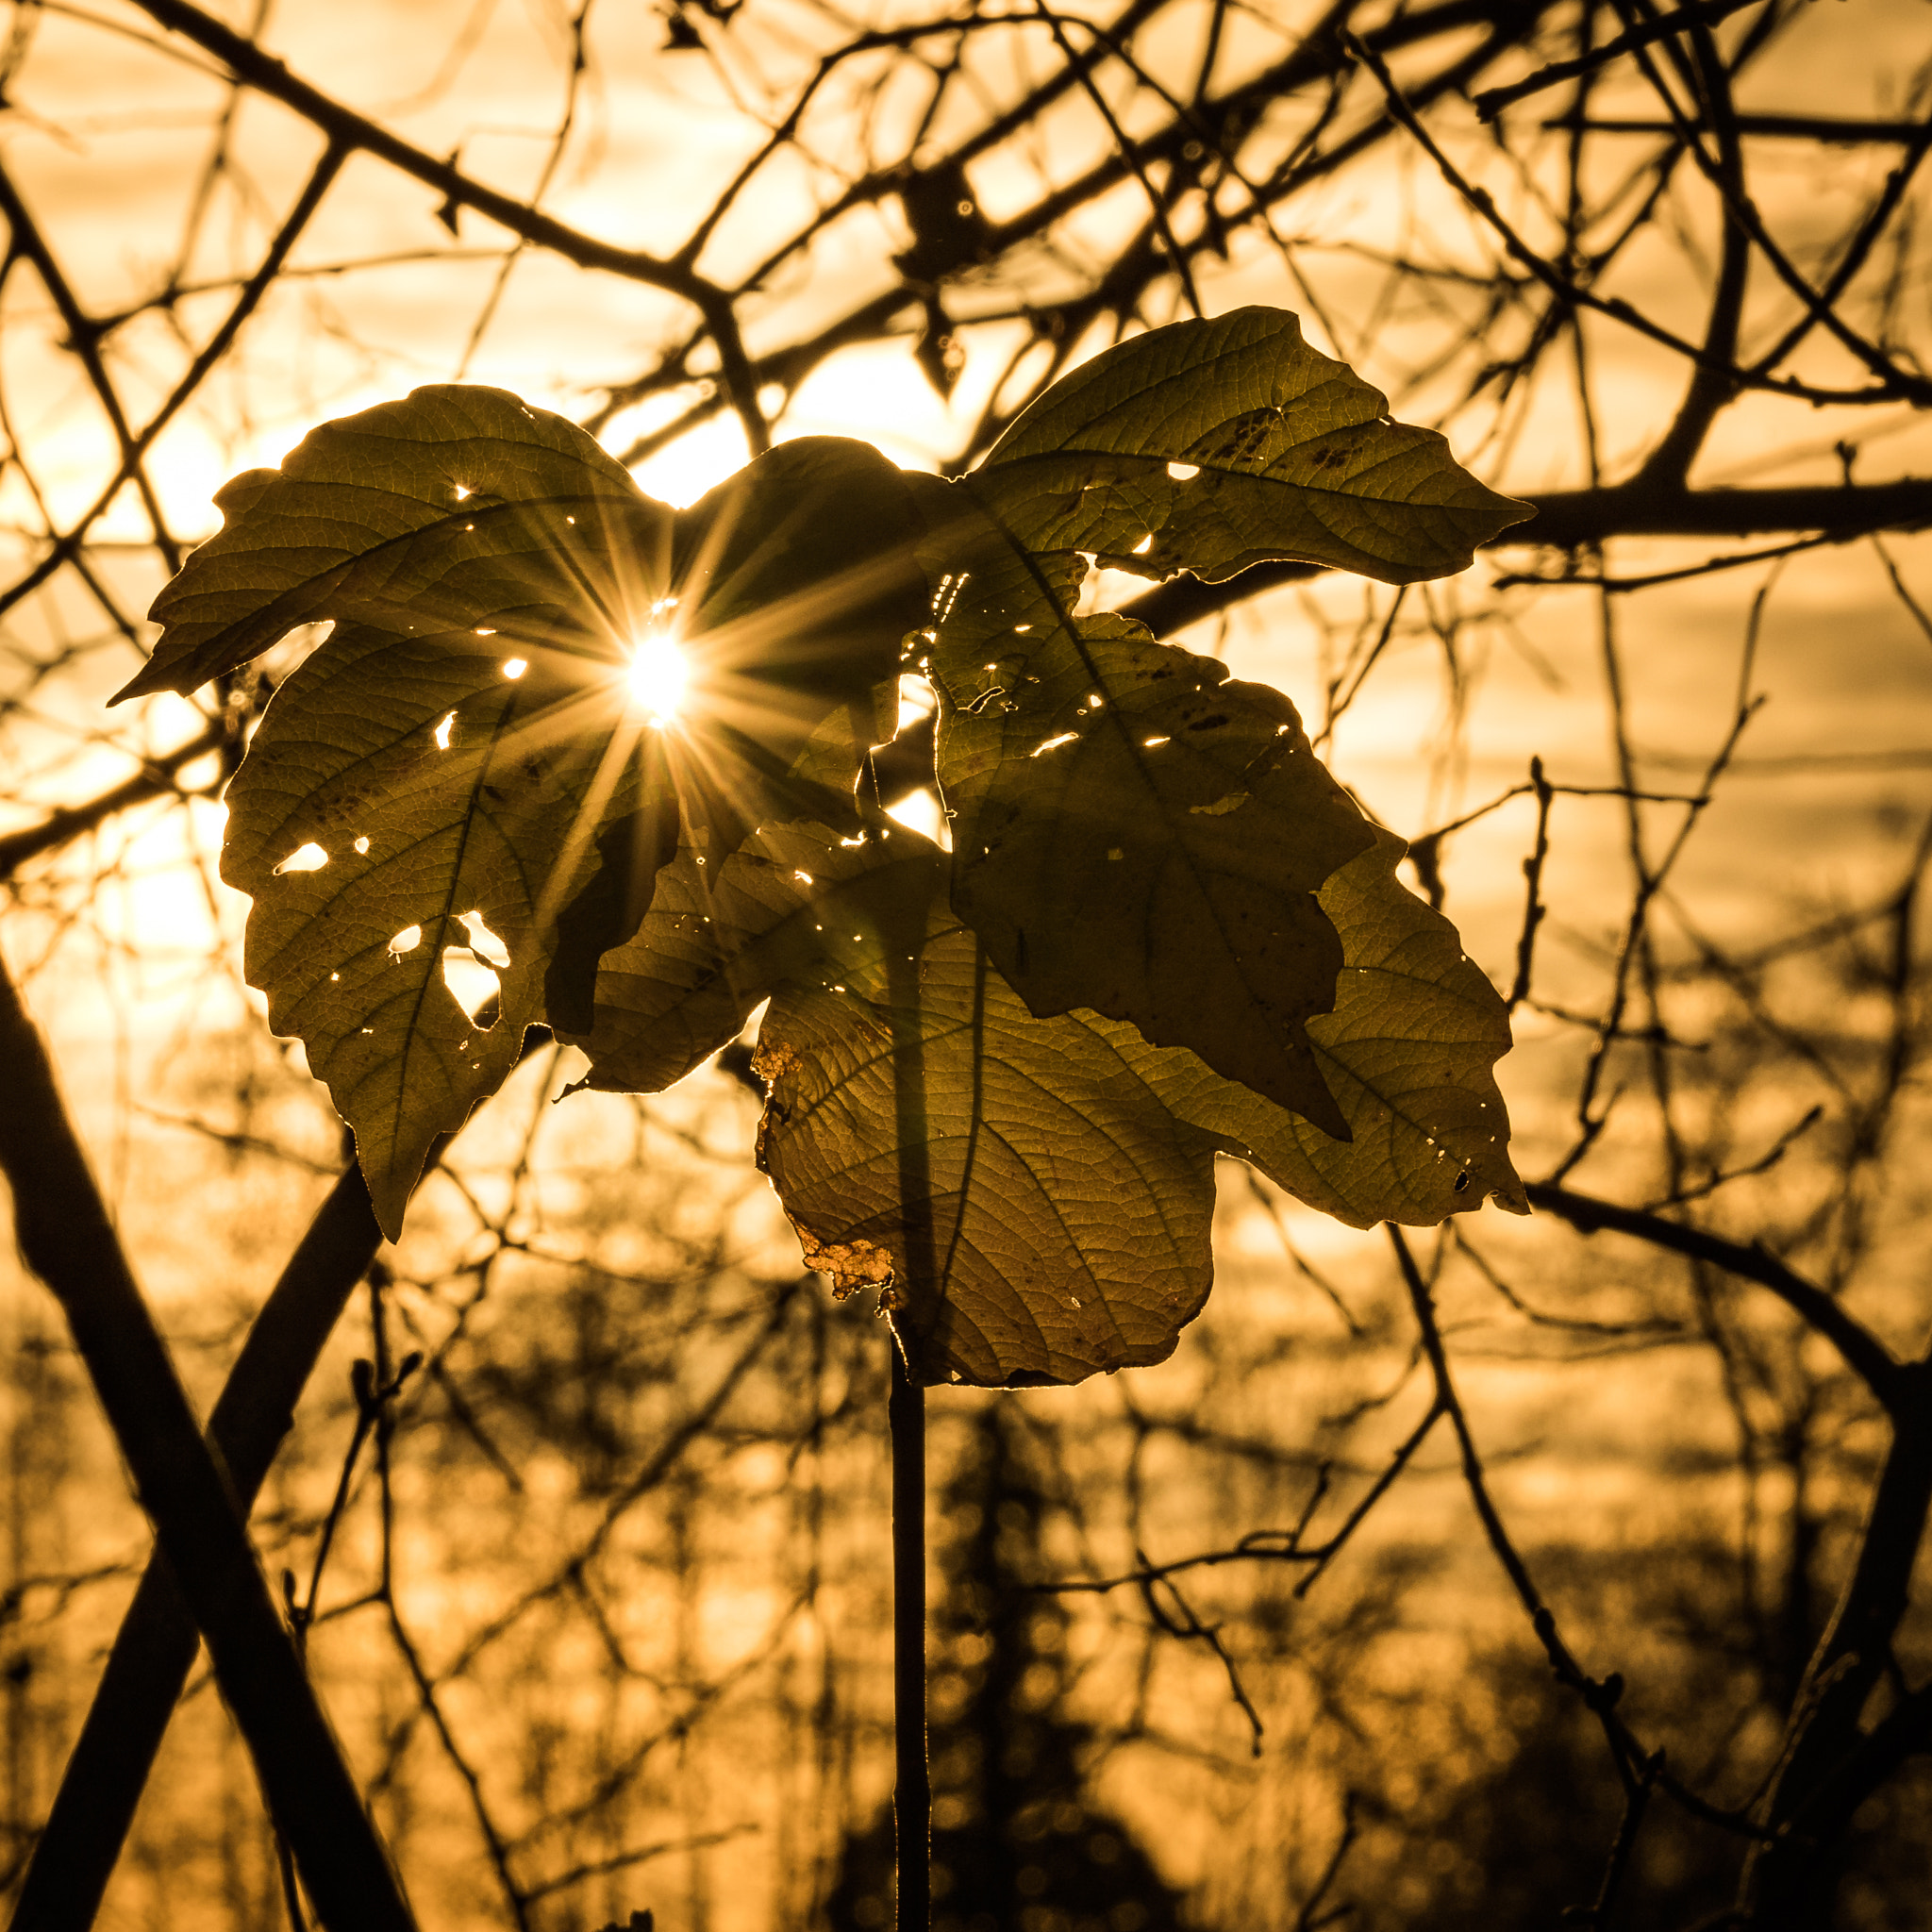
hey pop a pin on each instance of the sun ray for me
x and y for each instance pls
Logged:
(618, 747)
(714, 704)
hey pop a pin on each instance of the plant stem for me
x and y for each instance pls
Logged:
(910, 1299)
(66, 1238)
(912, 1792)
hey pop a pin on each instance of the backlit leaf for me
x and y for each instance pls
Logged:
(1133, 831)
(1208, 446)
(396, 785)
(1032, 1209)
(455, 507)
(1156, 856)
(1027, 1204)
(472, 739)
(1408, 1054)
(1032, 1196)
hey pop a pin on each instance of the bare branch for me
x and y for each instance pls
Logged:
(67, 1240)
(1868, 1358)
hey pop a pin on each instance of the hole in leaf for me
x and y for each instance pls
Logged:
(484, 942)
(406, 941)
(1183, 473)
(1053, 743)
(917, 702)
(1144, 545)
(361, 844)
(444, 725)
(308, 858)
(514, 668)
(470, 983)
(919, 811)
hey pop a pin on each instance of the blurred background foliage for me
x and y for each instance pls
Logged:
(603, 1614)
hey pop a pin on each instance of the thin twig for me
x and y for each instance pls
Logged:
(1863, 1353)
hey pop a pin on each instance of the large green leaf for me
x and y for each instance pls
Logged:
(468, 740)
(1155, 855)
(396, 785)
(1133, 831)
(455, 507)
(1408, 1052)
(1032, 1195)
(1208, 446)
(1027, 1204)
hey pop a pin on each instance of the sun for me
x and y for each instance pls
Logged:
(659, 676)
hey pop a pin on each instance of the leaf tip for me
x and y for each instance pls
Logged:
(1513, 1199)
(389, 1195)
(1506, 511)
